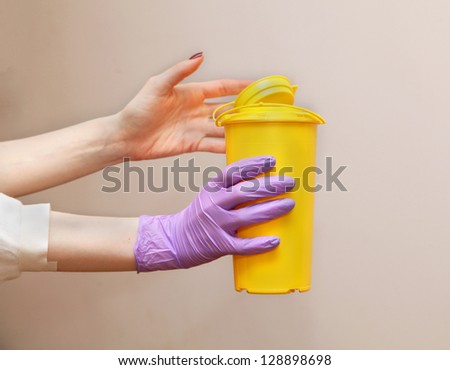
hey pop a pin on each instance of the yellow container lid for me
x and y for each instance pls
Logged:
(269, 99)
(271, 89)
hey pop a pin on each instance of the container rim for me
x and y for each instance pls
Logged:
(220, 118)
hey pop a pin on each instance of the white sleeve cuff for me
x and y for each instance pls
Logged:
(33, 243)
(23, 238)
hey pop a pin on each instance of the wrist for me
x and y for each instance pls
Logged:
(114, 148)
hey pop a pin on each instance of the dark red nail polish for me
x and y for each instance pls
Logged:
(195, 56)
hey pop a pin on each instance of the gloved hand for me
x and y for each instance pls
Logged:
(206, 229)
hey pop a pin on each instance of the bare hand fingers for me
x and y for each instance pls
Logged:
(212, 145)
(168, 79)
(220, 88)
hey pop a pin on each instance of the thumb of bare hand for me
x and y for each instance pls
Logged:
(174, 75)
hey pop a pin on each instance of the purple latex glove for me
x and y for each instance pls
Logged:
(206, 229)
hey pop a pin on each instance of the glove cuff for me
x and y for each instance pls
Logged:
(153, 250)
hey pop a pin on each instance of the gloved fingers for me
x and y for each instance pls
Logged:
(260, 212)
(244, 169)
(255, 245)
(262, 187)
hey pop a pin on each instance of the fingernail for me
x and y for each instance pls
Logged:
(195, 56)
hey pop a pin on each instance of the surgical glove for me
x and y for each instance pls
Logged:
(206, 229)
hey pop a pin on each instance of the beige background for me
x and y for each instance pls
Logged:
(378, 71)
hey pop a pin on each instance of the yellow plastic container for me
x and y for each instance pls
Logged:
(263, 121)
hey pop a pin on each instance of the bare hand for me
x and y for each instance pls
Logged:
(167, 118)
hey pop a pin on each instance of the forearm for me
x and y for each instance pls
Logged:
(90, 243)
(40, 162)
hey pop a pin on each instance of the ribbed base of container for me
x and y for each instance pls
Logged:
(273, 291)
